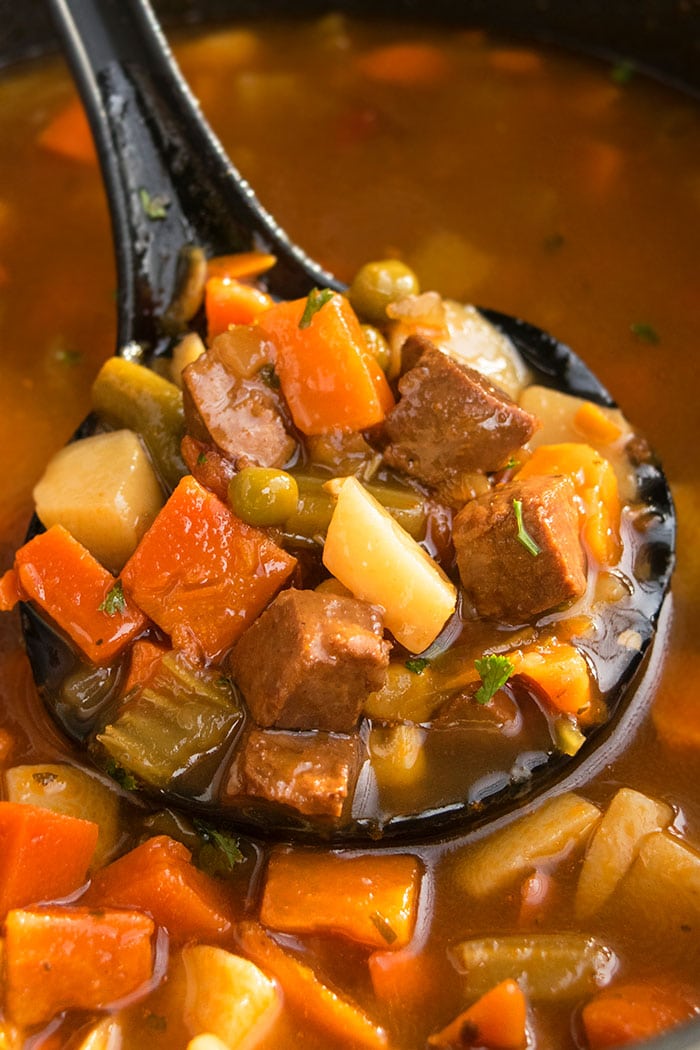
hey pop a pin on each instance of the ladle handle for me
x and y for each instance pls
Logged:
(168, 179)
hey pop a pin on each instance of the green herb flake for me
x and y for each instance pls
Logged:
(68, 357)
(622, 73)
(383, 926)
(226, 844)
(646, 333)
(523, 535)
(417, 664)
(494, 672)
(512, 463)
(269, 376)
(315, 301)
(122, 776)
(114, 602)
(201, 459)
(155, 205)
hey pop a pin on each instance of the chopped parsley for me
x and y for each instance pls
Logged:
(623, 72)
(226, 845)
(512, 463)
(315, 301)
(494, 672)
(646, 333)
(201, 459)
(114, 602)
(155, 205)
(269, 376)
(523, 535)
(122, 776)
(417, 664)
(383, 926)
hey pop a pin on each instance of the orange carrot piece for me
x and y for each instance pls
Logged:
(43, 855)
(497, 1020)
(596, 491)
(229, 302)
(240, 264)
(560, 672)
(68, 135)
(60, 576)
(595, 425)
(632, 1013)
(145, 655)
(10, 592)
(328, 376)
(74, 958)
(370, 899)
(315, 1002)
(405, 64)
(158, 877)
(197, 538)
(403, 980)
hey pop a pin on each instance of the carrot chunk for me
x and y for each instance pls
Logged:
(327, 374)
(497, 1020)
(80, 595)
(632, 1013)
(595, 425)
(145, 656)
(560, 672)
(10, 592)
(314, 1001)
(73, 958)
(43, 855)
(158, 877)
(596, 491)
(202, 574)
(68, 135)
(228, 302)
(372, 900)
(240, 264)
(405, 64)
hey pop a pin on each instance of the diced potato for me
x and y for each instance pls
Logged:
(615, 843)
(662, 891)
(380, 563)
(104, 492)
(226, 996)
(106, 1035)
(560, 825)
(550, 966)
(73, 792)
(185, 352)
(397, 755)
(207, 1041)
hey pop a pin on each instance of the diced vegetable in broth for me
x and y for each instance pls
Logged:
(226, 995)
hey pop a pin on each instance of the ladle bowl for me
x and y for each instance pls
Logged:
(152, 139)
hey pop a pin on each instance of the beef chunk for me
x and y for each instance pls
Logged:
(450, 420)
(229, 404)
(504, 580)
(314, 773)
(309, 661)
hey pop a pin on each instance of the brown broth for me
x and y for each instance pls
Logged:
(537, 186)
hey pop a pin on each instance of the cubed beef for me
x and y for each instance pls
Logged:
(309, 661)
(314, 773)
(503, 578)
(450, 420)
(241, 414)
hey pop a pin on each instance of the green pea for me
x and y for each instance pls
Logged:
(377, 284)
(377, 346)
(263, 496)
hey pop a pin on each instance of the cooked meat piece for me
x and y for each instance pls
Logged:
(450, 420)
(309, 661)
(239, 413)
(504, 579)
(314, 773)
(208, 465)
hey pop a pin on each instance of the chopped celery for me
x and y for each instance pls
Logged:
(569, 738)
(165, 725)
(129, 395)
(315, 508)
(551, 966)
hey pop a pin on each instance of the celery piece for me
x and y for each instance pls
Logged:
(129, 395)
(166, 725)
(550, 966)
(315, 507)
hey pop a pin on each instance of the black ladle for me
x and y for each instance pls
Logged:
(153, 143)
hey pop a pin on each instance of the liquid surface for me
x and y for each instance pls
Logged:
(533, 183)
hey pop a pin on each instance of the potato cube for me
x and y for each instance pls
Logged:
(227, 996)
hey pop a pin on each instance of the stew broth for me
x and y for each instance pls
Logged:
(533, 182)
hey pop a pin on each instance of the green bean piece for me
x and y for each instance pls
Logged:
(129, 395)
(315, 507)
(164, 726)
(377, 346)
(263, 496)
(377, 284)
